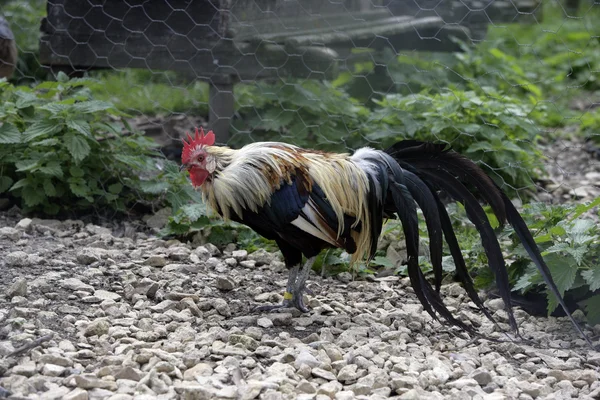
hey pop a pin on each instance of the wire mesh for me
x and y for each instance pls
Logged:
(495, 79)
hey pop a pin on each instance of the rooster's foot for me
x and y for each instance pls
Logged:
(290, 300)
(297, 298)
(270, 308)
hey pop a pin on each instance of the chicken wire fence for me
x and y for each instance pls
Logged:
(509, 83)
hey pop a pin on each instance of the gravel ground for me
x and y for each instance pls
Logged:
(121, 314)
(573, 172)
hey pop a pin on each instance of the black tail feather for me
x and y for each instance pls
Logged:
(440, 168)
(476, 214)
(423, 155)
(376, 205)
(427, 203)
(462, 272)
(429, 298)
(407, 213)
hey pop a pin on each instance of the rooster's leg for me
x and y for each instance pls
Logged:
(295, 288)
(286, 303)
(300, 285)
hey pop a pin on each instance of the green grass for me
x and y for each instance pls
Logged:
(560, 53)
(144, 92)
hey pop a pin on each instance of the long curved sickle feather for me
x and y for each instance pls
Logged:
(489, 241)
(428, 297)
(426, 201)
(441, 164)
(459, 262)
(423, 155)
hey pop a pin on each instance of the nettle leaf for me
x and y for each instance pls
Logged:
(76, 172)
(25, 99)
(92, 106)
(52, 168)
(41, 128)
(220, 235)
(77, 146)
(177, 199)
(552, 302)
(5, 183)
(55, 108)
(592, 309)
(175, 228)
(194, 211)
(9, 133)
(275, 119)
(79, 189)
(115, 188)
(33, 196)
(510, 146)
(111, 197)
(131, 160)
(49, 188)
(557, 230)
(80, 126)
(154, 187)
(62, 77)
(332, 258)
(26, 165)
(592, 277)
(410, 125)
(525, 282)
(579, 230)
(46, 142)
(114, 127)
(578, 252)
(556, 248)
(383, 261)
(563, 270)
(21, 183)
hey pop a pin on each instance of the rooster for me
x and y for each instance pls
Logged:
(308, 200)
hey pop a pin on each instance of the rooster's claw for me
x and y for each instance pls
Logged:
(269, 308)
(296, 301)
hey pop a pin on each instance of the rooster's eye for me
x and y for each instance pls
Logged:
(200, 158)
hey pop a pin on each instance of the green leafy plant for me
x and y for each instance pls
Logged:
(570, 244)
(473, 68)
(192, 220)
(590, 125)
(309, 113)
(493, 130)
(569, 239)
(63, 151)
(151, 93)
(564, 50)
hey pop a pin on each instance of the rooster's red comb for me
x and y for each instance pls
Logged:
(198, 141)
